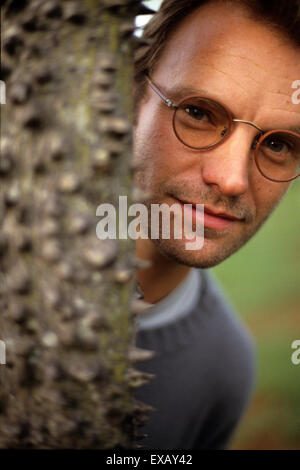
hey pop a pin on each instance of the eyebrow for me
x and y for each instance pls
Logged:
(179, 92)
(295, 129)
(182, 91)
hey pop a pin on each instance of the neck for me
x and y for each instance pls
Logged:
(164, 274)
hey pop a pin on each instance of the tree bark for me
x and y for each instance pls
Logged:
(64, 294)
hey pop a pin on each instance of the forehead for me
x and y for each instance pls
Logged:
(239, 61)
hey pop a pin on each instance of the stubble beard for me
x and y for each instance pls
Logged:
(208, 256)
(174, 249)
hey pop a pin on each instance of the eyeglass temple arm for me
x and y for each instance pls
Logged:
(168, 102)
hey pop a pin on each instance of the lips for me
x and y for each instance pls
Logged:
(222, 215)
(214, 219)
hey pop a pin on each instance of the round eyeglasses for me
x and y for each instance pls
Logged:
(201, 124)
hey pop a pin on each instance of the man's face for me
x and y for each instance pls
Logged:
(220, 53)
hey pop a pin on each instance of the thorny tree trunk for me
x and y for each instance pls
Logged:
(64, 294)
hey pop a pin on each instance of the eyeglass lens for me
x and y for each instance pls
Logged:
(201, 123)
(278, 155)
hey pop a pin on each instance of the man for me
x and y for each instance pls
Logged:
(213, 84)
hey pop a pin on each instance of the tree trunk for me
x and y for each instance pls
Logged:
(64, 294)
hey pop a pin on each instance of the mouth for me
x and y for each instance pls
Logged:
(214, 219)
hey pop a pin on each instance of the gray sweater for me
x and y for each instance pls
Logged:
(205, 367)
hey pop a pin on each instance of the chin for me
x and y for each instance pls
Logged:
(213, 252)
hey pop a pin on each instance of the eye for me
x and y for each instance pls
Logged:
(200, 114)
(277, 145)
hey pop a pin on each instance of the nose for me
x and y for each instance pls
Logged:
(227, 166)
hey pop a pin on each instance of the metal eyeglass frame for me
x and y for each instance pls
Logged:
(225, 136)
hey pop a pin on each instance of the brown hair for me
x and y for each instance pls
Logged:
(283, 15)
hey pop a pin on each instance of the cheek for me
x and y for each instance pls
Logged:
(161, 147)
(157, 143)
(267, 196)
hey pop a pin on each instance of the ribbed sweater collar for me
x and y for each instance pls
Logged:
(179, 333)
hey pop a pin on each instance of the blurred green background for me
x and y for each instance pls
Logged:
(262, 280)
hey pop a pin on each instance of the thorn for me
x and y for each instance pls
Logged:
(115, 125)
(102, 160)
(137, 378)
(57, 147)
(107, 63)
(139, 437)
(127, 29)
(50, 340)
(103, 79)
(69, 183)
(6, 164)
(138, 354)
(20, 93)
(13, 42)
(74, 14)
(141, 407)
(140, 195)
(79, 224)
(64, 271)
(51, 251)
(52, 9)
(139, 263)
(12, 196)
(43, 76)
(138, 307)
(31, 117)
(100, 253)
(82, 372)
(49, 228)
(19, 281)
(122, 275)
